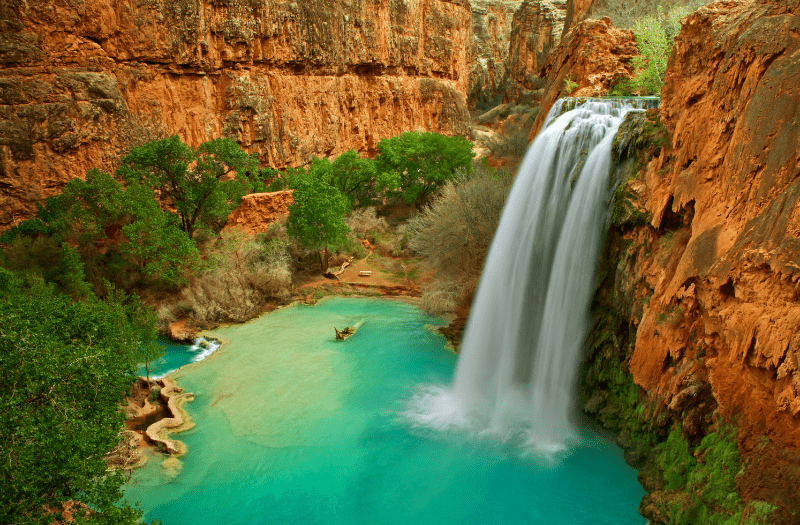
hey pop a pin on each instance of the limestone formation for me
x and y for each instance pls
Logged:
(84, 80)
(594, 54)
(721, 327)
(537, 29)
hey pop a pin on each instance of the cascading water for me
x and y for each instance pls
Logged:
(521, 349)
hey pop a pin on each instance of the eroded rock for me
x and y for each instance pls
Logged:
(82, 82)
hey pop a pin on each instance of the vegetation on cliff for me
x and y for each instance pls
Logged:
(686, 451)
(654, 39)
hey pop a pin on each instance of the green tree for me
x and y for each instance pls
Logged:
(356, 178)
(654, 35)
(420, 163)
(63, 373)
(316, 217)
(202, 185)
(152, 246)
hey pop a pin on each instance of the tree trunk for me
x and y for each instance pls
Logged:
(323, 260)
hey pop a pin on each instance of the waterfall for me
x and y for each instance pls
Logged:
(522, 346)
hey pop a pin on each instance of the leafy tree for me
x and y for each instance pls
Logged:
(421, 163)
(357, 178)
(152, 247)
(195, 183)
(654, 39)
(316, 217)
(63, 372)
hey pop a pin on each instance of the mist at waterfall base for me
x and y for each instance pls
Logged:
(523, 342)
(294, 427)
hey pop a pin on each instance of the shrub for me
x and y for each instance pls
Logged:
(241, 274)
(654, 38)
(569, 85)
(454, 233)
(365, 221)
(440, 297)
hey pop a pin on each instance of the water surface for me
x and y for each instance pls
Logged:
(295, 427)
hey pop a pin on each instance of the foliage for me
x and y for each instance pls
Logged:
(453, 234)
(67, 242)
(654, 37)
(63, 372)
(242, 272)
(365, 222)
(195, 183)
(316, 217)
(414, 165)
(569, 85)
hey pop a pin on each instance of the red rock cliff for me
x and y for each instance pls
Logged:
(83, 80)
(725, 200)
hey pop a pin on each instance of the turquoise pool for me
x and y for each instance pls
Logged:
(294, 427)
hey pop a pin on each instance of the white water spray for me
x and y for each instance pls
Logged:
(523, 342)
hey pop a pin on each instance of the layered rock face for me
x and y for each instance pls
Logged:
(713, 280)
(734, 180)
(258, 211)
(84, 80)
(492, 23)
(594, 54)
(536, 30)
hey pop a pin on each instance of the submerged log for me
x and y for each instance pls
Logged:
(345, 333)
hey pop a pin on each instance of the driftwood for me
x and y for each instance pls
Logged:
(345, 333)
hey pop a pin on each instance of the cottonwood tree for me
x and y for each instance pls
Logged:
(202, 185)
(418, 164)
(316, 217)
(64, 369)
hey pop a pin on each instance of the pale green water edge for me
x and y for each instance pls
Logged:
(295, 427)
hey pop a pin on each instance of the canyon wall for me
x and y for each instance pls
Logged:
(701, 293)
(84, 80)
(594, 54)
(492, 24)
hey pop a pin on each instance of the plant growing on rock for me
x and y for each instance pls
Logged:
(654, 39)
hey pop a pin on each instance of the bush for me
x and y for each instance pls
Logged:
(454, 233)
(365, 221)
(241, 274)
(654, 39)
(440, 297)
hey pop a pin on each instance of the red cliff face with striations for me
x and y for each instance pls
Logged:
(725, 270)
(258, 211)
(594, 54)
(82, 81)
(535, 33)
